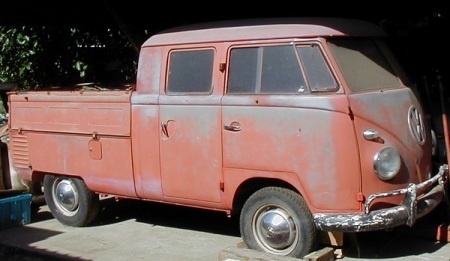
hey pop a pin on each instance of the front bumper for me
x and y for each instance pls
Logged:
(420, 199)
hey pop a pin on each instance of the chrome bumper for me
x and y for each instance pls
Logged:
(420, 199)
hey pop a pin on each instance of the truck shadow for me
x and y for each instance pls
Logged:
(389, 245)
(166, 215)
(426, 237)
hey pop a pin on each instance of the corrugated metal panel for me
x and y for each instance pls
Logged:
(20, 152)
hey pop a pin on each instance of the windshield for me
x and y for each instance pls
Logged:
(367, 64)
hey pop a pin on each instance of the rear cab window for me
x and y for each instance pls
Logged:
(190, 72)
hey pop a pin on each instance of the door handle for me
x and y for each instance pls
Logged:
(164, 129)
(234, 126)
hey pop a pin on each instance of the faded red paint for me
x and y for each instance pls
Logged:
(200, 150)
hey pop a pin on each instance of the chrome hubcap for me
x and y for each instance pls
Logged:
(65, 195)
(275, 230)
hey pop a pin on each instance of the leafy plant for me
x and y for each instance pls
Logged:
(38, 57)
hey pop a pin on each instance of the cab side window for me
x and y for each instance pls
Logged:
(283, 69)
(190, 72)
(316, 69)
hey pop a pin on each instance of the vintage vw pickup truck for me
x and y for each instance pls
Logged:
(297, 126)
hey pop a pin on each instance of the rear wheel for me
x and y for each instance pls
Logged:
(277, 221)
(70, 200)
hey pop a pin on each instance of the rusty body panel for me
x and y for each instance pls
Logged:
(398, 128)
(289, 140)
(415, 156)
(61, 125)
(106, 113)
(193, 129)
(245, 116)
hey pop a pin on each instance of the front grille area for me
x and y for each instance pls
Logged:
(19, 153)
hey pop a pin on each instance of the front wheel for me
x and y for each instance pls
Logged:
(277, 221)
(70, 200)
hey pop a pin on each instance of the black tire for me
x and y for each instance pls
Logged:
(295, 234)
(77, 207)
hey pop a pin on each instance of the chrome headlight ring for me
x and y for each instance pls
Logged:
(386, 163)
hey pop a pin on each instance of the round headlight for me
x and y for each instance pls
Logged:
(386, 163)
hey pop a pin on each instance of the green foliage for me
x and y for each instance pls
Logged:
(38, 57)
(18, 54)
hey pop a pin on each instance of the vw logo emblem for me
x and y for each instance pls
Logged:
(416, 125)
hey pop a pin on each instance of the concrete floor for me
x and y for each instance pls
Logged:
(136, 230)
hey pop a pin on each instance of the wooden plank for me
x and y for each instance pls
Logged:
(324, 254)
(242, 253)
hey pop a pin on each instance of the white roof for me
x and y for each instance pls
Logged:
(267, 28)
